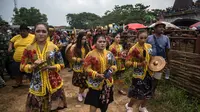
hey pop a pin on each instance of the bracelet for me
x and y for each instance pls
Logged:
(30, 67)
(135, 64)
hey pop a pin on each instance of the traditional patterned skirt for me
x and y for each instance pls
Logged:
(100, 99)
(141, 89)
(47, 103)
(79, 80)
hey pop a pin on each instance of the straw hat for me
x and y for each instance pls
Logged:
(157, 64)
(159, 23)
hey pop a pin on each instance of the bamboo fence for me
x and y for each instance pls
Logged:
(185, 71)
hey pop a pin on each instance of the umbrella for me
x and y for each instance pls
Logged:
(168, 25)
(135, 26)
(196, 25)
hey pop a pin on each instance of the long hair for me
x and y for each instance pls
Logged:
(77, 49)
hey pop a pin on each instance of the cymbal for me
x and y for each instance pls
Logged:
(157, 64)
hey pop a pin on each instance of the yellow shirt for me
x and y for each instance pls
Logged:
(48, 38)
(20, 44)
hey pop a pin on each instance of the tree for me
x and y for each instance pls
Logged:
(83, 20)
(126, 14)
(2, 21)
(28, 16)
(129, 13)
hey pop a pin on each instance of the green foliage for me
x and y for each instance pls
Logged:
(28, 16)
(129, 14)
(3, 22)
(127, 76)
(171, 99)
(83, 20)
(138, 13)
(168, 97)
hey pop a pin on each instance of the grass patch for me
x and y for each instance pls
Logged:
(169, 98)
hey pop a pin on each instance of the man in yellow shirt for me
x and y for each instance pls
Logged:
(19, 42)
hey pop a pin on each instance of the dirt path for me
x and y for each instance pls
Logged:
(13, 100)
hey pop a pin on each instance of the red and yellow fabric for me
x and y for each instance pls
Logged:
(96, 62)
(44, 80)
(117, 49)
(78, 66)
(135, 56)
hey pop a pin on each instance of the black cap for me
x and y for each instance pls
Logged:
(23, 27)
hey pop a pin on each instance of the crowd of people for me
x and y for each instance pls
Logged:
(97, 59)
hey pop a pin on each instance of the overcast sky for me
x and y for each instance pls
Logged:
(57, 9)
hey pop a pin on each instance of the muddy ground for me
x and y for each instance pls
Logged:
(13, 100)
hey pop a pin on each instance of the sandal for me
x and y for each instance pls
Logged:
(128, 109)
(122, 92)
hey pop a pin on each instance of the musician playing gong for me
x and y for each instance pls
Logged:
(138, 58)
(42, 59)
(99, 64)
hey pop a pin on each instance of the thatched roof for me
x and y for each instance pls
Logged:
(182, 4)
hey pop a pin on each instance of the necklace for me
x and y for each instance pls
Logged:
(39, 53)
(102, 60)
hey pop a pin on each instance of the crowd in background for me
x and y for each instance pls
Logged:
(92, 55)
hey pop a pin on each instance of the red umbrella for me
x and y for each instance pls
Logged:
(135, 26)
(195, 25)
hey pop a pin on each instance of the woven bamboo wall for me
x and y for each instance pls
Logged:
(185, 71)
(187, 44)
